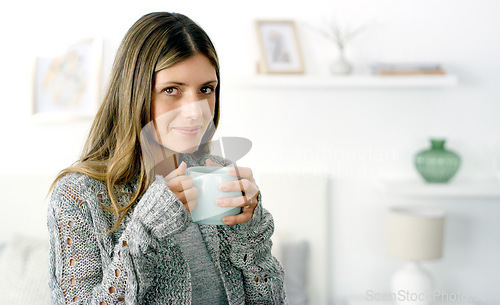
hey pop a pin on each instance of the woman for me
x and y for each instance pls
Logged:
(119, 219)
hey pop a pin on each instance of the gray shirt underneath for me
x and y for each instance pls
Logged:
(205, 280)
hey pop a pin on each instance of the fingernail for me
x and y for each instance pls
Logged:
(220, 202)
(223, 187)
(225, 220)
(231, 170)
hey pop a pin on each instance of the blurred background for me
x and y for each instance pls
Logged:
(361, 131)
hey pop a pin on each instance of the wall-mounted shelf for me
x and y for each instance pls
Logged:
(346, 82)
(473, 188)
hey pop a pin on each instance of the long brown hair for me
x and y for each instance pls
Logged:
(112, 152)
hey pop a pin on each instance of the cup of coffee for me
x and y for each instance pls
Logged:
(207, 180)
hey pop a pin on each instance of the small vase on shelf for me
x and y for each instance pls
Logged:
(437, 164)
(340, 36)
(341, 66)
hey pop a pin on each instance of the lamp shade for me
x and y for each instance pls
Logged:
(415, 233)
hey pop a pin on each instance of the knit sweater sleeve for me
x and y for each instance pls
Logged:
(250, 252)
(263, 275)
(80, 271)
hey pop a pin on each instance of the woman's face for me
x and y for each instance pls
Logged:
(183, 103)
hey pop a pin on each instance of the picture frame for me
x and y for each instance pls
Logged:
(66, 86)
(279, 47)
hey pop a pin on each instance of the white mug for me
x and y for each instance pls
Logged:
(207, 180)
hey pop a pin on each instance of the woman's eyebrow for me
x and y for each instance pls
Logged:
(183, 84)
(211, 81)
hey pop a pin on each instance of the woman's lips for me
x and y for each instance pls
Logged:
(188, 131)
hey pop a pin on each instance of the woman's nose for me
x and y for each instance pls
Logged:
(192, 109)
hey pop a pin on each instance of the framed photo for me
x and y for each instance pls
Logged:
(67, 85)
(279, 47)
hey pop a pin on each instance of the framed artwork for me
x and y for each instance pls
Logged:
(67, 86)
(279, 47)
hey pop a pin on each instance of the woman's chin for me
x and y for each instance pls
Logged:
(183, 149)
(188, 151)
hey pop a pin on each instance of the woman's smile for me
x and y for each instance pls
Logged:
(188, 131)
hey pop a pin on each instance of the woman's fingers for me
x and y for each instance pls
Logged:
(191, 205)
(241, 172)
(235, 171)
(182, 186)
(240, 201)
(242, 185)
(188, 195)
(243, 217)
(181, 183)
(180, 171)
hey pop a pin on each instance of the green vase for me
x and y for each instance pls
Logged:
(437, 164)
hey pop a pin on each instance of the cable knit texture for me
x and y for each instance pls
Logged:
(140, 263)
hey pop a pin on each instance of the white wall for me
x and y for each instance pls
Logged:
(359, 136)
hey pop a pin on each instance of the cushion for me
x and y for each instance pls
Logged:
(295, 256)
(24, 272)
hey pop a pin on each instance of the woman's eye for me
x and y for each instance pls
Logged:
(171, 91)
(207, 90)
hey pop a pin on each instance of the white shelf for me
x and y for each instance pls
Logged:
(347, 82)
(473, 188)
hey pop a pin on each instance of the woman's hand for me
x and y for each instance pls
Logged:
(247, 185)
(182, 186)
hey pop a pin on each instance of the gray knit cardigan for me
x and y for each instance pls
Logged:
(139, 263)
